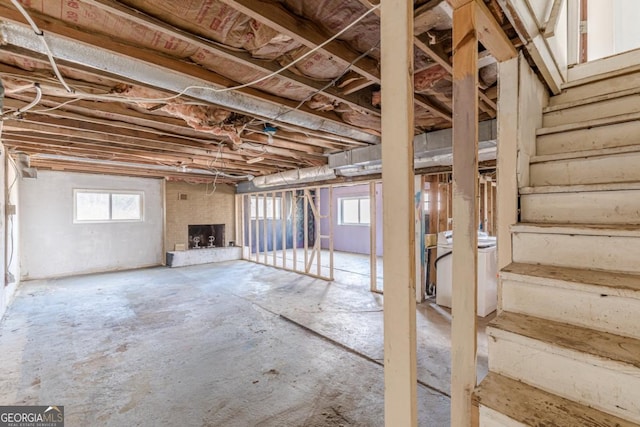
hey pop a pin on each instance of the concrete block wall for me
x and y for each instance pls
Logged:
(203, 205)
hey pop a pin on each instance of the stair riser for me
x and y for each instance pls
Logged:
(603, 384)
(615, 135)
(591, 170)
(592, 111)
(491, 418)
(598, 88)
(618, 253)
(595, 207)
(605, 309)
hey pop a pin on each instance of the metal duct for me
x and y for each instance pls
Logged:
(431, 149)
(433, 146)
(154, 75)
(292, 177)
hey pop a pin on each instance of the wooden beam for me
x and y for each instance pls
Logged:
(400, 386)
(434, 183)
(550, 26)
(430, 107)
(491, 35)
(465, 214)
(95, 168)
(434, 52)
(306, 32)
(62, 29)
(373, 235)
(240, 57)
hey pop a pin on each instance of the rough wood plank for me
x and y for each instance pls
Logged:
(622, 230)
(396, 32)
(606, 308)
(590, 99)
(611, 279)
(586, 153)
(507, 191)
(607, 136)
(624, 79)
(606, 121)
(598, 252)
(491, 35)
(600, 107)
(465, 214)
(591, 170)
(580, 188)
(601, 207)
(531, 406)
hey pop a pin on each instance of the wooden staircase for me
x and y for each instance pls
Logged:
(565, 351)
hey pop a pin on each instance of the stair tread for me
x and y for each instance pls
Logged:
(585, 81)
(603, 345)
(532, 406)
(601, 152)
(621, 118)
(591, 100)
(610, 279)
(580, 188)
(624, 230)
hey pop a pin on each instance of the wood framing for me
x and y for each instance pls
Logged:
(400, 397)
(373, 236)
(507, 197)
(465, 214)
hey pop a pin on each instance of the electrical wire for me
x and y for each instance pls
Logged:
(40, 34)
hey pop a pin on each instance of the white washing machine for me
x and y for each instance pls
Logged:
(487, 272)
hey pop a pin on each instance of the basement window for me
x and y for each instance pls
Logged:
(354, 211)
(258, 207)
(107, 206)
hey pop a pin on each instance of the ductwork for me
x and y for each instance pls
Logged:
(154, 75)
(297, 176)
(430, 149)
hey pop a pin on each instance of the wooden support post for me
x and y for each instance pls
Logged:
(294, 227)
(318, 230)
(465, 214)
(305, 211)
(273, 227)
(373, 244)
(331, 218)
(265, 245)
(250, 225)
(240, 234)
(400, 386)
(283, 221)
(433, 224)
(420, 251)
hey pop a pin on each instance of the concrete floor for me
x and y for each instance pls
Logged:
(229, 344)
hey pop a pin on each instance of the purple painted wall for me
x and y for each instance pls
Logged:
(351, 238)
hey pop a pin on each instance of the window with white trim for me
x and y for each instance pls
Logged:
(354, 211)
(257, 208)
(107, 206)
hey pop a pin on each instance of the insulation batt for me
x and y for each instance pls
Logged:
(213, 20)
(202, 118)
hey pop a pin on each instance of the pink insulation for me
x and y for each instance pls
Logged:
(202, 118)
